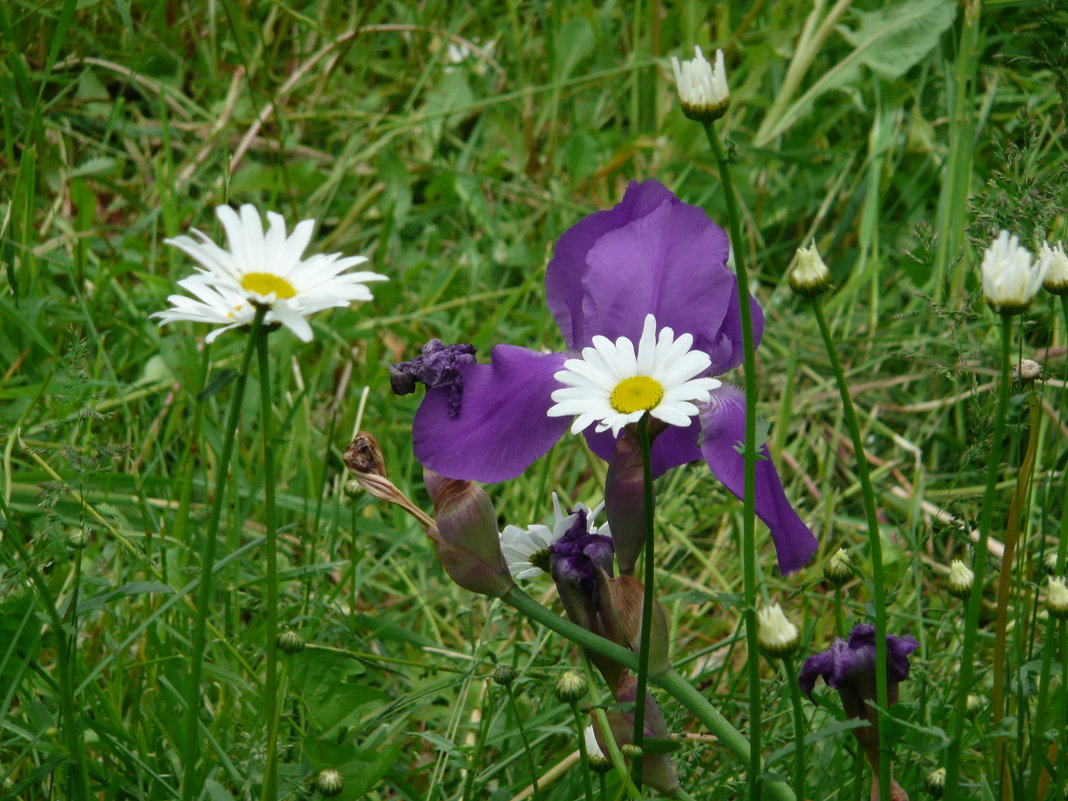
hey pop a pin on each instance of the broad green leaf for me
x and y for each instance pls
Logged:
(328, 684)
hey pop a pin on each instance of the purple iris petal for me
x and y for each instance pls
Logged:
(727, 352)
(851, 665)
(670, 262)
(437, 366)
(723, 426)
(502, 425)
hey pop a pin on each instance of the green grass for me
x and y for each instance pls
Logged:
(124, 124)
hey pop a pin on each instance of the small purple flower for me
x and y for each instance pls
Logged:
(651, 254)
(438, 367)
(849, 667)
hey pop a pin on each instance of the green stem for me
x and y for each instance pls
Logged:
(799, 725)
(749, 590)
(191, 777)
(647, 596)
(523, 736)
(584, 757)
(971, 625)
(1001, 619)
(269, 791)
(874, 544)
(668, 680)
(839, 623)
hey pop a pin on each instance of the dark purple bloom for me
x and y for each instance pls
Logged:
(651, 254)
(438, 367)
(849, 667)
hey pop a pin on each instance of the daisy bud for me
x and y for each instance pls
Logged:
(961, 579)
(1049, 562)
(289, 642)
(1010, 276)
(1057, 598)
(973, 705)
(838, 569)
(810, 277)
(571, 686)
(936, 782)
(1028, 371)
(630, 751)
(469, 545)
(504, 675)
(352, 488)
(1056, 266)
(77, 538)
(599, 763)
(777, 636)
(330, 782)
(703, 90)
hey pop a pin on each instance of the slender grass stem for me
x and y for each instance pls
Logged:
(523, 736)
(749, 590)
(668, 680)
(647, 597)
(269, 791)
(874, 544)
(584, 757)
(1001, 619)
(190, 761)
(799, 725)
(971, 625)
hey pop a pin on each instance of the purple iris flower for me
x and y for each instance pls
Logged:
(849, 667)
(651, 254)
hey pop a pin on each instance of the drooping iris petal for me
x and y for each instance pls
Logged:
(723, 427)
(727, 352)
(564, 292)
(501, 426)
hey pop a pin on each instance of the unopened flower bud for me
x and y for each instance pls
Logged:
(504, 675)
(838, 569)
(1049, 562)
(1057, 598)
(973, 705)
(290, 642)
(630, 751)
(469, 545)
(77, 538)
(571, 686)
(935, 782)
(1056, 260)
(810, 277)
(777, 636)
(703, 91)
(1011, 277)
(961, 579)
(624, 500)
(599, 763)
(1028, 371)
(352, 488)
(330, 782)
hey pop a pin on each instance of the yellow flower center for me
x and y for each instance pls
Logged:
(266, 283)
(636, 394)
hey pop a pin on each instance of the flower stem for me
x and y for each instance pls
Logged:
(668, 680)
(269, 790)
(647, 597)
(584, 757)
(749, 455)
(523, 736)
(191, 784)
(799, 725)
(971, 625)
(874, 544)
(1001, 620)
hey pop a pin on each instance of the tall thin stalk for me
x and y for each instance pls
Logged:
(647, 597)
(749, 454)
(874, 544)
(190, 757)
(971, 624)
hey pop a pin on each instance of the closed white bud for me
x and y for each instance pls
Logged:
(703, 90)
(777, 636)
(1010, 276)
(810, 277)
(1056, 267)
(1057, 598)
(961, 579)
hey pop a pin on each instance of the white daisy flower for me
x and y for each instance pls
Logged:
(613, 386)
(267, 269)
(217, 305)
(527, 550)
(1011, 278)
(703, 90)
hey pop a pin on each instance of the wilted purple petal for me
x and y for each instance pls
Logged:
(564, 288)
(438, 367)
(502, 425)
(723, 426)
(850, 665)
(897, 649)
